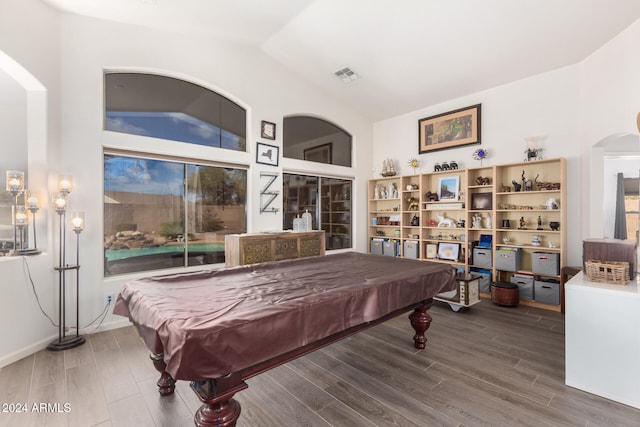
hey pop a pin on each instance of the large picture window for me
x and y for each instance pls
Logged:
(163, 214)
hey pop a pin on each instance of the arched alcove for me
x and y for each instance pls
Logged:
(24, 133)
(618, 152)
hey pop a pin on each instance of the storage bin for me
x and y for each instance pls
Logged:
(545, 263)
(525, 285)
(390, 248)
(485, 280)
(376, 246)
(547, 291)
(411, 249)
(482, 257)
(509, 259)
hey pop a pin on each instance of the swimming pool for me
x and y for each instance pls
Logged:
(118, 254)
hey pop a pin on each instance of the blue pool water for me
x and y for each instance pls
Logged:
(117, 254)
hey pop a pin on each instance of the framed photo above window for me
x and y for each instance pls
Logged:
(449, 188)
(448, 251)
(267, 154)
(268, 130)
(449, 130)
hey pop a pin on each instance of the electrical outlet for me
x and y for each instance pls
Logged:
(109, 298)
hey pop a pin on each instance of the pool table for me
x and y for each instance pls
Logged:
(217, 328)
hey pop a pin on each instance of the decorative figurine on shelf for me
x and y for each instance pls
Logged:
(415, 221)
(431, 222)
(504, 188)
(444, 221)
(554, 225)
(539, 223)
(445, 166)
(523, 224)
(528, 185)
(552, 203)
(453, 164)
(437, 167)
(413, 204)
(516, 186)
(483, 180)
(432, 197)
(480, 154)
(533, 148)
(393, 191)
(461, 223)
(488, 221)
(536, 240)
(388, 168)
(414, 163)
(505, 240)
(376, 192)
(476, 221)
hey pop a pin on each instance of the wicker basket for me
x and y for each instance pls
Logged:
(616, 273)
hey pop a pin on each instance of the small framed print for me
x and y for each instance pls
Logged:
(448, 251)
(481, 201)
(267, 154)
(432, 250)
(268, 130)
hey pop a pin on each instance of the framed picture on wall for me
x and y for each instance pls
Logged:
(267, 154)
(268, 130)
(449, 130)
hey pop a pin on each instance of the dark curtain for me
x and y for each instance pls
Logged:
(620, 230)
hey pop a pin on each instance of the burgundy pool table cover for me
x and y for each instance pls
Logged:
(214, 322)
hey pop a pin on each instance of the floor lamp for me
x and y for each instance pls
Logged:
(65, 341)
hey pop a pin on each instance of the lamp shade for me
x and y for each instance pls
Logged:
(21, 216)
(33, 200)
(77, 221)
(65, 183)
(15, 182)
(60, 202)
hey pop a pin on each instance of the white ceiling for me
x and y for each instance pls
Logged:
(409, 53)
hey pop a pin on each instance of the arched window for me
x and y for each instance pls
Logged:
(169, 108)
(316, 140)
(162, 211)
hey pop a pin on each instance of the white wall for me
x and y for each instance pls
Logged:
(86, 48)
(546, 104)
(610, 101)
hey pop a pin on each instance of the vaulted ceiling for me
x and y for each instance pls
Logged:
(409, 54)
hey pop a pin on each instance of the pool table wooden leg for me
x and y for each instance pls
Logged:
(420, 321)
(166, 383)
(219, 409)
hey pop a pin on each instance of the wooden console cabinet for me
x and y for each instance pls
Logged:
(241, 249)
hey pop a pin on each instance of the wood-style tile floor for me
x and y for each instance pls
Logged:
(486, 366)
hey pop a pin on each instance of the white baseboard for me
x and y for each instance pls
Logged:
(43, 343)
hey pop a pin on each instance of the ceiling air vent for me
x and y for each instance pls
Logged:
(346, 75)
